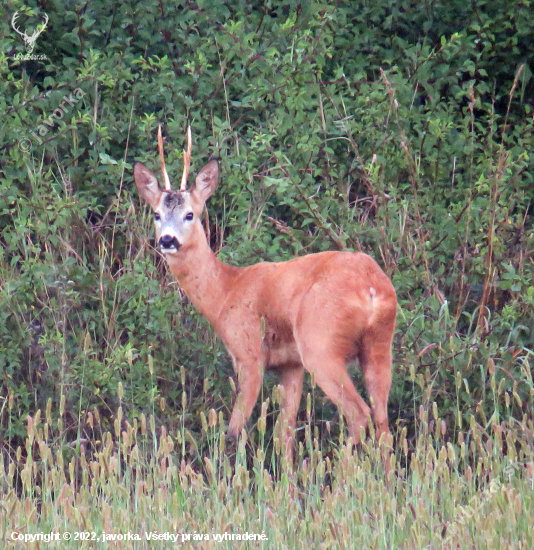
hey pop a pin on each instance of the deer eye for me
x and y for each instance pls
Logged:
(189, 216)
(157, 217)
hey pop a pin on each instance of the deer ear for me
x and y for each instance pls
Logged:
(206, 181)
(147, 185)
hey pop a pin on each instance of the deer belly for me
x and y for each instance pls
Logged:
(279, 347)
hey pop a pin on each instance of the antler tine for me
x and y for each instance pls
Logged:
(187, 160)
(13, 23)
(166, 179)
(37, 32)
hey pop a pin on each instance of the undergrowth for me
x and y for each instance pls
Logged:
(139, 482)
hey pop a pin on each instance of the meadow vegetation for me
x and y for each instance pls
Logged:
(404, 130)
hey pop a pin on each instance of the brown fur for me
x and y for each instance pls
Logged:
(317, 311)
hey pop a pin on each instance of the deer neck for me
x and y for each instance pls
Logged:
(205, 280)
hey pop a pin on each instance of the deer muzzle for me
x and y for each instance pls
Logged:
(169, 243)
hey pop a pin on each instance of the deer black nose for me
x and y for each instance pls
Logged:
(168, 241)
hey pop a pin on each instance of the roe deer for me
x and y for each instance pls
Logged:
(311, 313)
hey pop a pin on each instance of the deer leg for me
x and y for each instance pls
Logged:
(291, 378)
(334, 380)
(249, 376)
(325, 364)
(375, 361)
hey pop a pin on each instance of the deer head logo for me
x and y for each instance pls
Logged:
(29, 40)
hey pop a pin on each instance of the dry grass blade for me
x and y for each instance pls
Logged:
(187, 160)
(162, 161)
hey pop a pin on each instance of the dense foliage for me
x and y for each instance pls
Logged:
(403, 129)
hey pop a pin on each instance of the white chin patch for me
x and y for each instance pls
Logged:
(170, 250)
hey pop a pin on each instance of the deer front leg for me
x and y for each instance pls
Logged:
(249, 379)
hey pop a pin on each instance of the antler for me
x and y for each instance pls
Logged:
(29, 40)
(166, 179)
(13, 21)
(187, 160)
(36, 32)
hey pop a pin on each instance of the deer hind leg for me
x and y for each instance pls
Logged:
(322, 358)
(291, 378)
(375, 361)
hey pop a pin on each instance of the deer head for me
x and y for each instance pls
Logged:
(177, 213)
(29, 40)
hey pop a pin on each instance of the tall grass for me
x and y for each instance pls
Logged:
(473, 490)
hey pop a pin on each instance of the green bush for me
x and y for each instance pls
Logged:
(401, 130)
